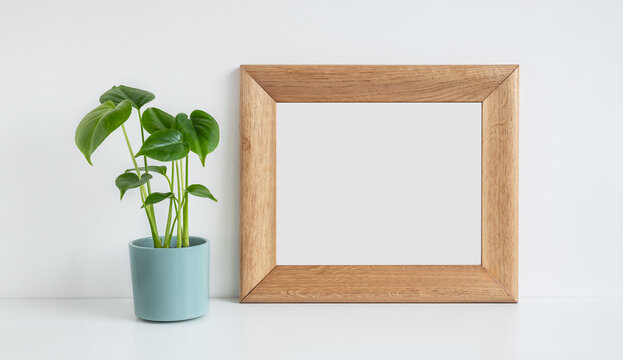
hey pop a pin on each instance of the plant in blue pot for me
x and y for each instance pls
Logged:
(169, 269)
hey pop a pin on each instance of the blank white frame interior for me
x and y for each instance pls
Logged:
(378, 183)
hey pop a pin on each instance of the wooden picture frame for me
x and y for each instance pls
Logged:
(494, 86)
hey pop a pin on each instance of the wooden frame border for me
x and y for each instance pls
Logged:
(494, 86)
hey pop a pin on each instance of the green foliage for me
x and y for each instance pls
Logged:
(137, 97)
(98, 124)
(155, 119)
(157, 197)
(201, 131)
(201, 191)
(127, 181)
(171, 139)
(165, 145)
(152, 168)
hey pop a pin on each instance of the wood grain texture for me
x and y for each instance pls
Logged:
(379, 83)
(500, 179)
(495, 86)
(379, 283)
(258, 204)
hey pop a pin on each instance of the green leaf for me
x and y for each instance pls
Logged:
(151, 168)
(201, 131)
(128, 181)
(155, 119)
(137, 97)
(200, 190)
(165, 145)
(156, 197)
(98, 124)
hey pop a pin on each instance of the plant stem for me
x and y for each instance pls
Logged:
(185, 210)
(167, 241)
(151, 207)
(140, 121)
(169, 230)
(171, 233)
(177, 206)
(150, 216)
(179, 196)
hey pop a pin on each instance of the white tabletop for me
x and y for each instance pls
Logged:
(107, 329)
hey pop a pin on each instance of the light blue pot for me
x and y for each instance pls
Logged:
(170, 284)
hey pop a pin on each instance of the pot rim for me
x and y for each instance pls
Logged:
(203, 242)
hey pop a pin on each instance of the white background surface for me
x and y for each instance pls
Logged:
(65, 233)
(107, 329)
(378, 184)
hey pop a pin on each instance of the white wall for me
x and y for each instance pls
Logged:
(64, 231)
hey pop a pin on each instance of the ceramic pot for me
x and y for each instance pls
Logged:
(170, 284)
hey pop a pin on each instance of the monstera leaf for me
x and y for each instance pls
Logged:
(127, 181)
(137, 97)
(201, 191)
(99, 123)
(155, 119)
(157, 197)
(165, 145)
(201, 131)
(151, 168)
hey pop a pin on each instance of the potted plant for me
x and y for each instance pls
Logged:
(169, 271)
